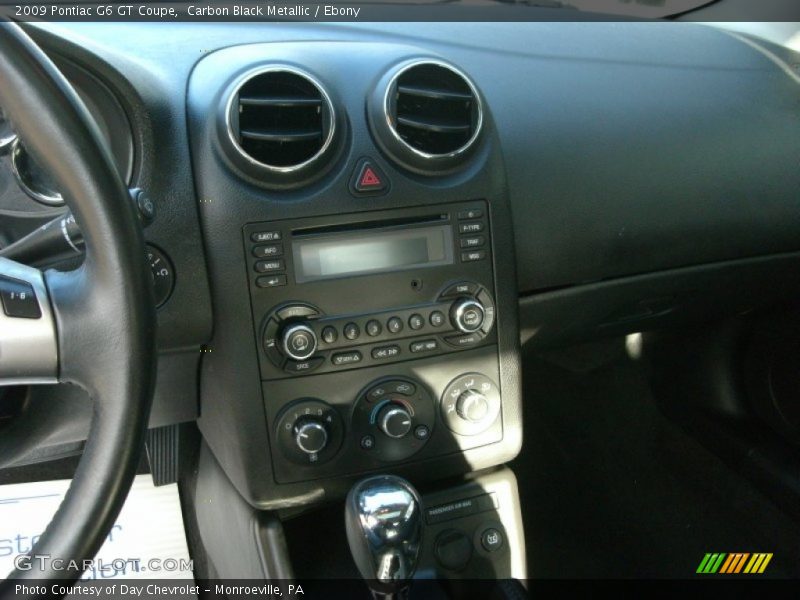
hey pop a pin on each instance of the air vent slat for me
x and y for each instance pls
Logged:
(278, 101)
(432, 92)
(280, 136)
(281, 120)
(434, 126)
(434, 113)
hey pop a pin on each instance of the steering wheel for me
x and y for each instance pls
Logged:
(94, 326)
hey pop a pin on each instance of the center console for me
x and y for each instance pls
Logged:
(375, 337)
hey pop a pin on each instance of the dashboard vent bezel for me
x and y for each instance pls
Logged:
(280, 175)
(386, 122)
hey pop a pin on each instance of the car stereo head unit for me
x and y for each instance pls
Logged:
(350, 291)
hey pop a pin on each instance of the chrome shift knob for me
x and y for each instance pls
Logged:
(383, 518)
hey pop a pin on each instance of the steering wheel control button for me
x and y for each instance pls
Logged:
(471, 404)
(351, 331)
(299, 342)
(416, 322)
(270, 251)
(394, 325)
(394, 421)
(467, 315)
(384, 352)
(346, 358)
(472, 242)
(19, 299)
(453, 550)
(266, 236)
(330, 335)
(421, 432)
(473, 256)
(309, 432)
(373, 328)
(423, 346)
(270, 281)
(301, 367)
(476, 227)
(368, 179)
(437, 318)
(474, 213)
(492, 539)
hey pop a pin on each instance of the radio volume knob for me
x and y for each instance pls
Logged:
(467, 315)
(299, 341)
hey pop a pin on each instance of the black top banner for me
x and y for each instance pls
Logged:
(398, 11)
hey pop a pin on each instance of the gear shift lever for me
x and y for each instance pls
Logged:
(383, 518)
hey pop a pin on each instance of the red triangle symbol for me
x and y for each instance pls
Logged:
(369, 178)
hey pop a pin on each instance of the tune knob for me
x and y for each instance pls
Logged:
(472, 406)
(394, 421)
(467, 315)
(299, 341)
(310, 436)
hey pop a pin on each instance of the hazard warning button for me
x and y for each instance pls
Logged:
(368, 179)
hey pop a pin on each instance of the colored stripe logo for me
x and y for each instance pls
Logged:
(734, 563)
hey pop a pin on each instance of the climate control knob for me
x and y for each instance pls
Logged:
(467, 315)
(310, 436)
(394, 421)
(299, 341)
(472, 406)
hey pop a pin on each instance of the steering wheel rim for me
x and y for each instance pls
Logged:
(102, 314)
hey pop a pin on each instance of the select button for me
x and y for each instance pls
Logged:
(346, 358)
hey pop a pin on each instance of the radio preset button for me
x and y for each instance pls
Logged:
(265, 266)
(330, 335)
(437, 318)
(268, 281)
(395, 325)
(268, 251)
(385, 352)
(416, 322)
(346, 358)
(470, 227)
(423, 346)
(266, 236)
(351, 331)
(373, 328)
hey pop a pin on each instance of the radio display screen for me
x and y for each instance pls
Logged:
(362, 252)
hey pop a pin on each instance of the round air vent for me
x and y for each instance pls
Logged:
(282, 123)
(427, 115)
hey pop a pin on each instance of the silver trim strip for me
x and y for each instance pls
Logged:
(279, 69)
(28, 347)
